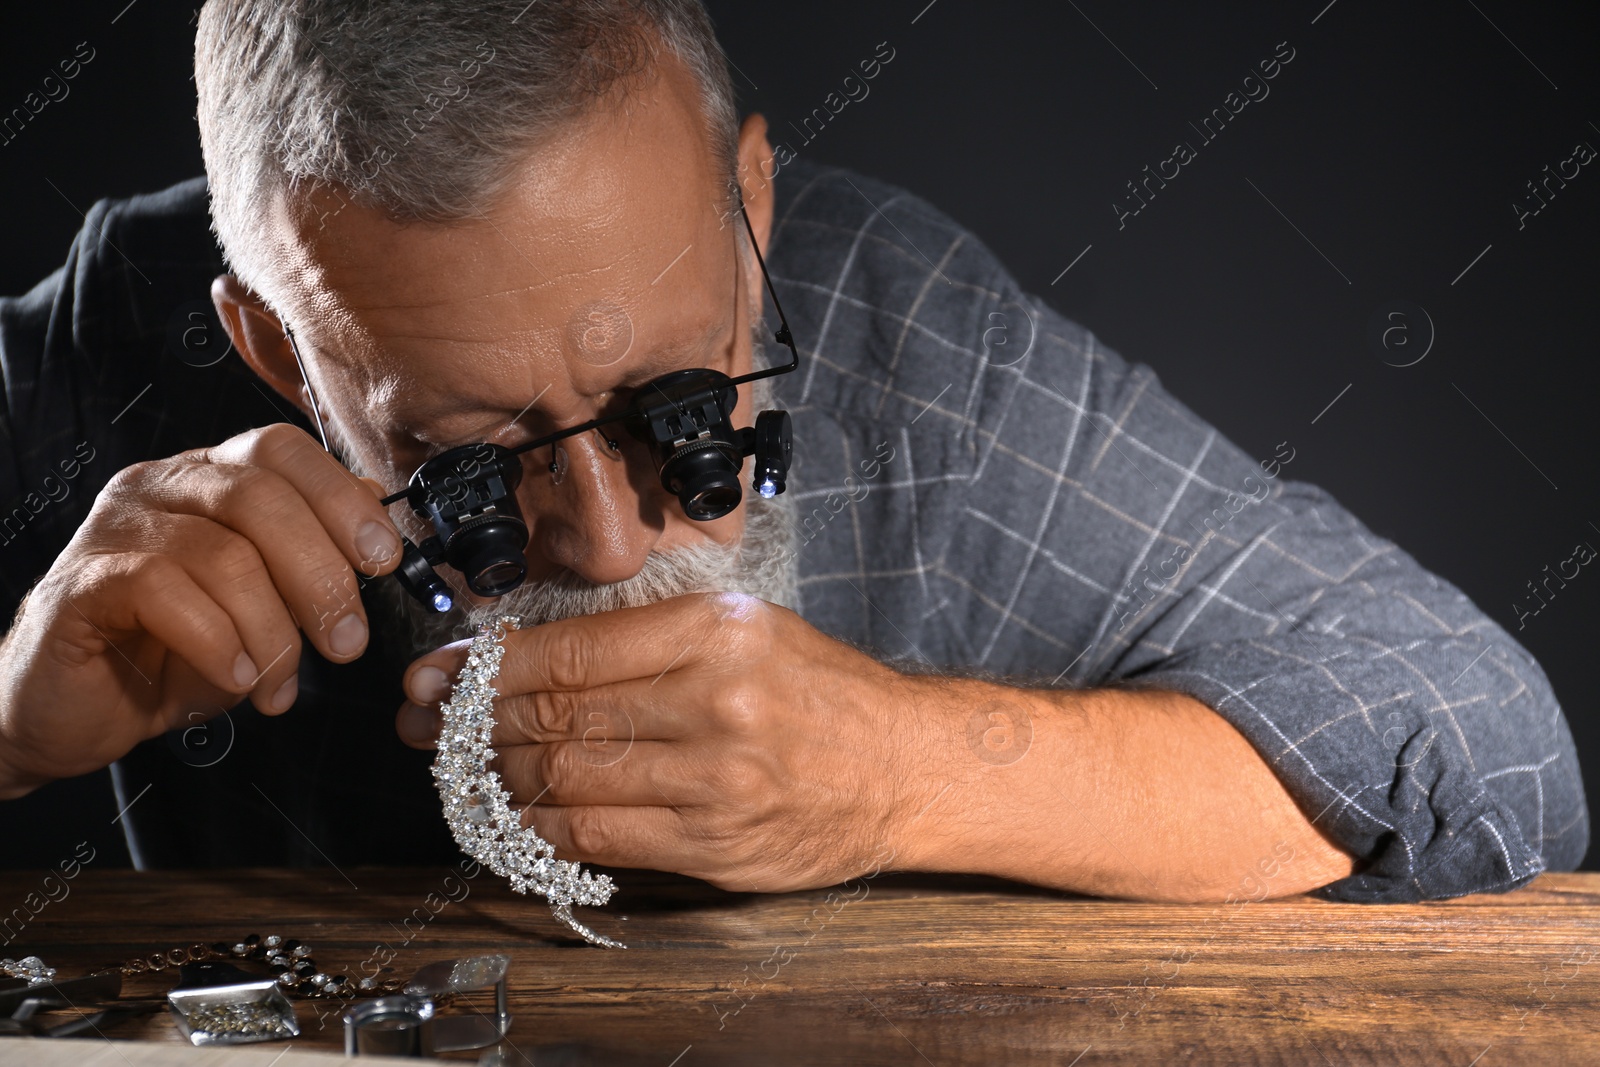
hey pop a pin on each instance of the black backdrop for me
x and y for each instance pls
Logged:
(1384, 165)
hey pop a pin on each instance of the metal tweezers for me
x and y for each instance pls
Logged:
(20, 1003)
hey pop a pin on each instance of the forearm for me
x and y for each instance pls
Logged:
(1124, 793)
(12, 784)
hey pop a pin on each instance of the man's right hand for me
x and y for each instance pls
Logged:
(186, 588)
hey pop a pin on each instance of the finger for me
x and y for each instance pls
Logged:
(428, 678)
(309, 572)
(345, 506)
(156, 595)
(650, 838)
(418, 725)
(591, 650)
(621, 711)
(614, 646)
(232, 573)
(612, 772)
(662, 708)
(612, 714)
(187, 700)
(584, 766)
(375, 486)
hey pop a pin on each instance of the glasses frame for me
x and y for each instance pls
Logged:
(782, 335)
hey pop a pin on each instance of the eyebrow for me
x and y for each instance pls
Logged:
(663, 359)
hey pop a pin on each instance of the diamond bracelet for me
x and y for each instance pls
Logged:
(478, 810)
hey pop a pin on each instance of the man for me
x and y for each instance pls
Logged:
(1047, 624)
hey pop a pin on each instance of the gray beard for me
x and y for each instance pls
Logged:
(762, 563)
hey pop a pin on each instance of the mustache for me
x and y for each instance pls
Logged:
(762, 563)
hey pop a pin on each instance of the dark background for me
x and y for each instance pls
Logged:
(1385, 160)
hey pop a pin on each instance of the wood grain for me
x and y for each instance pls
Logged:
(42, 1052)
(906, 969)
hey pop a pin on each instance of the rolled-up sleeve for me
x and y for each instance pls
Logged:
(1410, 727)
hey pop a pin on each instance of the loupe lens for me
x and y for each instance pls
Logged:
(489, 553)
(704, 479)
(714, 501)
(499, 578)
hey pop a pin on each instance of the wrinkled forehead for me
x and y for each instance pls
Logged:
(614, 224)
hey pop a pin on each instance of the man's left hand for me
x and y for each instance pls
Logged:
(715, 735)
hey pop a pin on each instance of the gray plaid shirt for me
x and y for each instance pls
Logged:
(987, 486)
(984, 487)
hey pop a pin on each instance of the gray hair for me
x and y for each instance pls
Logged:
(419, 108)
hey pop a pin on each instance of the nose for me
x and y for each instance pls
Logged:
(594, 522)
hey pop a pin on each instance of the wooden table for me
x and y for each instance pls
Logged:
(906, 969)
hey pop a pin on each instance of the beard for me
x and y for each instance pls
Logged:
(762, 563)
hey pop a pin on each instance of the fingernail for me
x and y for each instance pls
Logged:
(348, 636)
(428, 685)
(376, 543)
(283, 699)
(417, 725)
(244, 670)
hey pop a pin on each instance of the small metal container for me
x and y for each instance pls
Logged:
(465, 975)
(234, 1014)
(399, 1025)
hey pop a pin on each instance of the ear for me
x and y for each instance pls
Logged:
(258, 335)
(757, 171)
